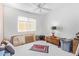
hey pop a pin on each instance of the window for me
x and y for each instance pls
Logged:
(26, 24)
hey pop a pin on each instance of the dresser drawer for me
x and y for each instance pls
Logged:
(55, 41)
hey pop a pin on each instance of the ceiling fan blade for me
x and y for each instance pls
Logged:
(46, 9)
(39, 4)
(35, 4)
(35, 9)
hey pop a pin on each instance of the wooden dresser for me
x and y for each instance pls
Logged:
(74, 45)
(53, 40)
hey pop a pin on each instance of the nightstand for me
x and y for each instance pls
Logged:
(74, 45)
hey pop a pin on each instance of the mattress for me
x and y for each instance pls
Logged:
(24, 50)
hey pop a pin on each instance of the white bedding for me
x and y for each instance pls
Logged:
(24, 50)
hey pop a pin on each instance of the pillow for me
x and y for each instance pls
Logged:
(2, 52)
(2, 47)
(9, 47)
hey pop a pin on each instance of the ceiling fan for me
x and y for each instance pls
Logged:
(41, 7)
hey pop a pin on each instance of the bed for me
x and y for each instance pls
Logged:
(24, 50)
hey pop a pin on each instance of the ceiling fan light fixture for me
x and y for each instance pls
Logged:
(41, 8)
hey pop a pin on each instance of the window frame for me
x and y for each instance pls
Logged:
(28, 20)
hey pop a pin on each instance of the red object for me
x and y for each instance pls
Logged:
(40, 48)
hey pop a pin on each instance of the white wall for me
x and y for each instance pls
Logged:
(10, 21)
(1, 22)
(66, 17)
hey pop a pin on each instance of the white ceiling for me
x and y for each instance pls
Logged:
(30, 7)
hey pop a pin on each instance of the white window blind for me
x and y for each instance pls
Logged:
(26, 24)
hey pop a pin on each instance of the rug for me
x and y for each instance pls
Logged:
(40, 48)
